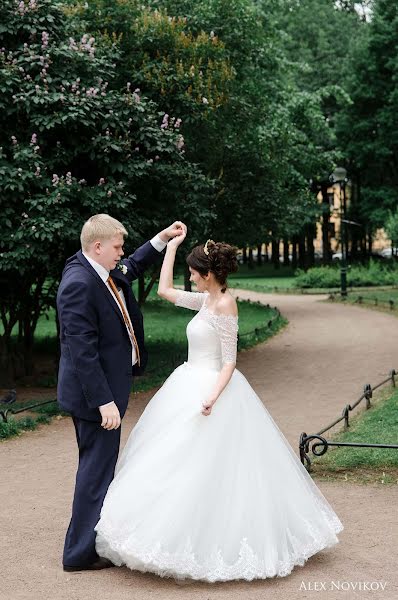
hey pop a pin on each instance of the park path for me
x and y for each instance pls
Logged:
(304, 375)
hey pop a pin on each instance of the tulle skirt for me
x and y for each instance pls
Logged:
(212, 498)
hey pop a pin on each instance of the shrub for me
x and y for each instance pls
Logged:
(374, 274)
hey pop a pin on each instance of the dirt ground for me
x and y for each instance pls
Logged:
(305, 375)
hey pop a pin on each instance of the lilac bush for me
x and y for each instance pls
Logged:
(71, 145)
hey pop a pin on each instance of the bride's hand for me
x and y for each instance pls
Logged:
(207, 406)
(178, 239)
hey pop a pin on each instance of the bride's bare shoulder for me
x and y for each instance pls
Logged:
(227, 305)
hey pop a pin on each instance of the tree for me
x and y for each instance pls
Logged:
(72, 146)
(369, 126)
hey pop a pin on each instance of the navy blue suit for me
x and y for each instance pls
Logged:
(95, 368)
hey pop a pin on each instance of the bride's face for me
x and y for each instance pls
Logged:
(199, 280)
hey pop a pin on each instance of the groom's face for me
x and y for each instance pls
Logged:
(109, 252)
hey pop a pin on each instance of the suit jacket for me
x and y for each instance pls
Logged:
(95, 365)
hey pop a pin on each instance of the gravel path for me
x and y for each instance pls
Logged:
(304, 376)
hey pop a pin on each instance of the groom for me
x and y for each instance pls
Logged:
(102, 348)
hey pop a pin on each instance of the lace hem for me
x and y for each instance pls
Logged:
(184, 565)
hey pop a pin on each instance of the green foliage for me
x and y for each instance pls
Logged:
(220, 67)
(329, 276)
(16, 426)
(167, 346)
(72, 145)
(368, 128)
(392, 227)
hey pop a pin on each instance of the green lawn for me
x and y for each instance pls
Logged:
(378, 425)
(165, 335)
(165, 332)
(382, 295)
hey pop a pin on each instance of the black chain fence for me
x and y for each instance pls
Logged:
(318, 444)
(391, 303)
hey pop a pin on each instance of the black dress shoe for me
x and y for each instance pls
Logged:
(101, 563)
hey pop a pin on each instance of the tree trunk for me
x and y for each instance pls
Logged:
(187, 275)
(294, 252)
(302, 257)
(27, 349)
(275, 254)
(311, 234)
(326, 250)
(370, 242)
(286, 261)
(244, 255)
(259, 257)
(250, 260)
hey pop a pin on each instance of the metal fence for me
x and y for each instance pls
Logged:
(318, 444)
(369, 300)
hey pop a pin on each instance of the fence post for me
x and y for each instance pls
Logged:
(368, 393)
(346, 412)
(392, 375)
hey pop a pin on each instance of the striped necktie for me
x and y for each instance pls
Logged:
(125, 316)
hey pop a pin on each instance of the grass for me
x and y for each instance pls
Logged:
(40, 415)
(378, 425)
(382, 295)
(381, 300)
(165, 332)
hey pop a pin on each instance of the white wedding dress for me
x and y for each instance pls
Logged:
(215, 497)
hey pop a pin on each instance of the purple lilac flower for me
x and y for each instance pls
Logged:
(165, 122)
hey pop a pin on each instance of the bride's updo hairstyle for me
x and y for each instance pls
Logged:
(218, 257)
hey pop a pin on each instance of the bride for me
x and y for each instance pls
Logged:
(207, 487)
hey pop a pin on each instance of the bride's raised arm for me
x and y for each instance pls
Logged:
(166, 288)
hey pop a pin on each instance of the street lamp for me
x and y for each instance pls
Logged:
(339, 176)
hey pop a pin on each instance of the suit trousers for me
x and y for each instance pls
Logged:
(98, 453)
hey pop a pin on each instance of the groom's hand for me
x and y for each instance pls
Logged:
(177, 228)
(110, 416)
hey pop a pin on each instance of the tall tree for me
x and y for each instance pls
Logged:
(369, 126)
(72, 145)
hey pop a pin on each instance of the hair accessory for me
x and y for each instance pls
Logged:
(205, 248)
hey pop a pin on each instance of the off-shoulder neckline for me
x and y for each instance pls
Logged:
(215, 314)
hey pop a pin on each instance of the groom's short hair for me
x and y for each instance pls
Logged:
(100, 227)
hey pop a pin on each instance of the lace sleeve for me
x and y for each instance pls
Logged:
(192, 300)
(227, 329)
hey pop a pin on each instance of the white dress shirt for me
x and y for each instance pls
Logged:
(159, 245)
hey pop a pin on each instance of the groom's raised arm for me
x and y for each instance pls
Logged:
(80, 328)
(143, 257)
(149, 252)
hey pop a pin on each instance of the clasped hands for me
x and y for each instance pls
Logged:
(174, 234)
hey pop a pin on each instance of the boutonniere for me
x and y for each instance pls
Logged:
(122, 267)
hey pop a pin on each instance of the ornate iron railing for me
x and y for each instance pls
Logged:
(318, 444)
(4, 412)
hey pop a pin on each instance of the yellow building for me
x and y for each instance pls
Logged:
(335, 194)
